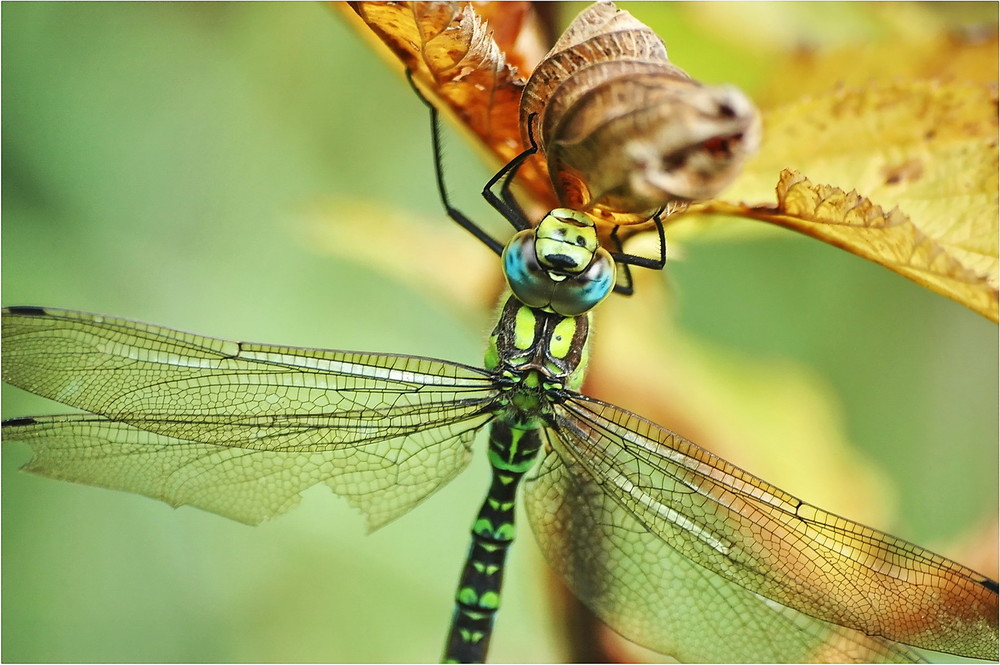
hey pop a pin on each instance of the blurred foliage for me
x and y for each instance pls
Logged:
(167, 162)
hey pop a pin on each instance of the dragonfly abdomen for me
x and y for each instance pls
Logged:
(512, 451)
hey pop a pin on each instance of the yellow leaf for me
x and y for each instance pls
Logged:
(808, 48)
(852, 222)
(969, 56)
(925, 151)
(884, 140)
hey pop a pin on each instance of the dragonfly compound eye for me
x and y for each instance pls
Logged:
(558, 290)
(580, 293)
(526, 278)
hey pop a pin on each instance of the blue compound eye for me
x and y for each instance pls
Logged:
(547, 288)
(527, 279)
(583, 292)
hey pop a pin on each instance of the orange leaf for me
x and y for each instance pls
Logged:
(461, 69)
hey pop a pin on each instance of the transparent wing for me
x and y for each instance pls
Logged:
(239, 429)
(687, 554)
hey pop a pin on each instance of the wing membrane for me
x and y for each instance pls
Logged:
(383, 430)
(671, 521)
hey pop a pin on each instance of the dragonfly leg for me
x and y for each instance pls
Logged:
(624, 260)
(506, 204)
(454, 213)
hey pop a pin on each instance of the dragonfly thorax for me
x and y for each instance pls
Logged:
(538, 352)
(559, 265)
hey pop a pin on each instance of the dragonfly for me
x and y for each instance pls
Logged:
(376, 379)
(688, 555)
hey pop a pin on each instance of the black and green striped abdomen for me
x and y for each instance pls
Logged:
(512, 453)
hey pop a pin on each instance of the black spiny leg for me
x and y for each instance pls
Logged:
(456, 215)
(506, 204)
(624, 287)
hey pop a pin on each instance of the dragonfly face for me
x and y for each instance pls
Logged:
(559, 266)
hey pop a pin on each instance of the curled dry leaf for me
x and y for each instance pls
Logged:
(517, 31)
(462, 70)
(924, 151)
(624, 130)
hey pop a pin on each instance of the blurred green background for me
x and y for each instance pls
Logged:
(159, 160)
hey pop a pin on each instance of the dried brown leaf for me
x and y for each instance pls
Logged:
(462, 70)
(516, 31)
(625, 131)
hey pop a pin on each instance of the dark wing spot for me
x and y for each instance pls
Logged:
(19, 422)
(26, 311)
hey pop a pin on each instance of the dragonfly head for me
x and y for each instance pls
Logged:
(559, 265)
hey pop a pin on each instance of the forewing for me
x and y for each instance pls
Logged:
(196, 420)
(687, 554)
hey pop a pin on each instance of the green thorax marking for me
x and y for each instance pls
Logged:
(538, 351)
